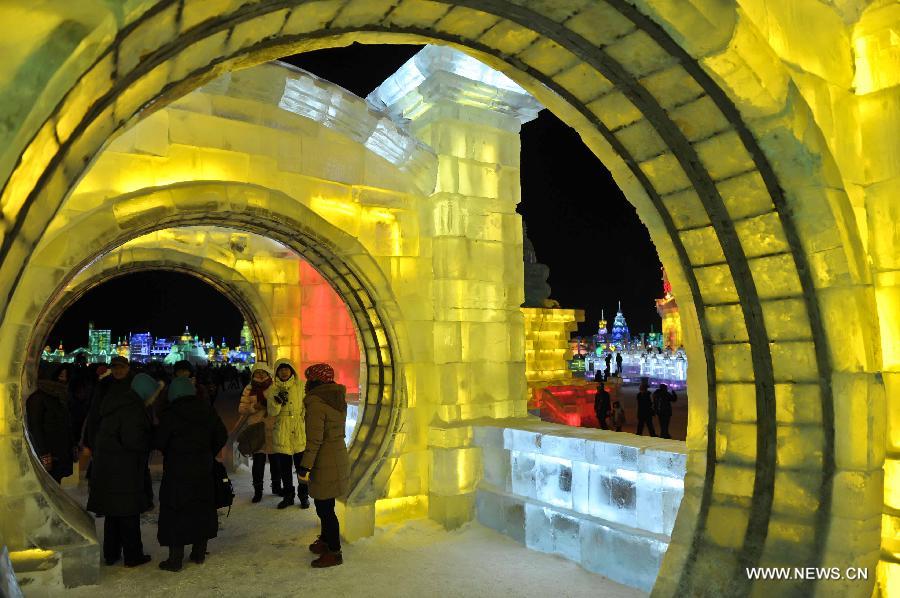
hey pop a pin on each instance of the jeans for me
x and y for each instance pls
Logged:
(122, 535)
(331, 529)
(287, 477)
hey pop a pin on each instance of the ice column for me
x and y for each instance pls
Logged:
(470, 115)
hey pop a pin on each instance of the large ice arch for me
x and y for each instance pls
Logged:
(720, 122)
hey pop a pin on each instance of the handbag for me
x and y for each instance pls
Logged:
(224, 489)
(252, 439)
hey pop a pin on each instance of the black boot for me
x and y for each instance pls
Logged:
(275, 474)
(303, 495)
(173, 563)
(257, 493)
(287, 498)
(198, 550)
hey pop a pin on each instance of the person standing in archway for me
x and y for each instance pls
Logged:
(608, 359)
(254, 401)
(285, 404)
(116, 383)
(619, 364)
(644, 411)
(50, 425)
(662, 404)
(325, 464)
(602, 405)
(190, 434)
(121, 443)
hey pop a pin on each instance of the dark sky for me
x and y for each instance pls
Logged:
(159, 302)
(579, 222)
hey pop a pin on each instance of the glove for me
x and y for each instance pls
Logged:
(47, 461)
(282, 397)
(303, 476)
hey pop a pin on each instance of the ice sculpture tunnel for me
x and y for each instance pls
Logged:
(762, 159)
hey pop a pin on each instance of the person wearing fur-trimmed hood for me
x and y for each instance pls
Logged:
(285, 404)
(254, 401)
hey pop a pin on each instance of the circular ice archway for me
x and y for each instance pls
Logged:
(339, 258)
(745, 205)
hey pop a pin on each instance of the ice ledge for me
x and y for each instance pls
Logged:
(441, 73)
(299, 92)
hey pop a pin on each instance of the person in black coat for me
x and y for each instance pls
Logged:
(190, 433)
(50, 425)
(662, 404)
(121, 443)
(602, 405)
(644, 411)
(117, 383)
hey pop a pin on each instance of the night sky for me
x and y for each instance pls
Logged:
(579, 222)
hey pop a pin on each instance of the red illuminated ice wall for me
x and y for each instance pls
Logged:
(327, 332)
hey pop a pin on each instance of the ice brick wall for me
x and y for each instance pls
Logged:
(603, 499)
(547, 349)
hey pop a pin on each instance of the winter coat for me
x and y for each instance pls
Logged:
(326, 454)
(190, 434)
(256, 413)
(601, 403)
(289, 433)
(107, 387)
(644, 405)
(662, 402)
(121, 446)
(50, 424)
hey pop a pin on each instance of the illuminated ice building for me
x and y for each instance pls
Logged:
(143, 347)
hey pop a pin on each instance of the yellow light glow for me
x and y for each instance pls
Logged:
(334, 207)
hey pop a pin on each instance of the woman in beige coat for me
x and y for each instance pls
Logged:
(285, 404)
(254, 405)
(325, 463)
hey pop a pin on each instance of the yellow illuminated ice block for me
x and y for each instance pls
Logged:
(547, 350)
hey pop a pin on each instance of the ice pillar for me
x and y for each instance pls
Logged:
(470, 115)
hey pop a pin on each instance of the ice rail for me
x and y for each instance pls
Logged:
(605, 500)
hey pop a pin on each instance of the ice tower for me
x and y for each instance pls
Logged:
(620, 335)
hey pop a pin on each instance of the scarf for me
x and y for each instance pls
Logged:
(259, 389)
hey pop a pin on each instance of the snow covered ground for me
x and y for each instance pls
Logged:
(262, 552)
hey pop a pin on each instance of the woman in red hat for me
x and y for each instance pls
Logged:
(325, 464)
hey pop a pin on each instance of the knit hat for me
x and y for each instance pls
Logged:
(144, 385)
(320, 372)
(181, 387)
(118, 360)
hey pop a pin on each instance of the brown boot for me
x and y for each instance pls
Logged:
(328, 559)
(318, 547)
